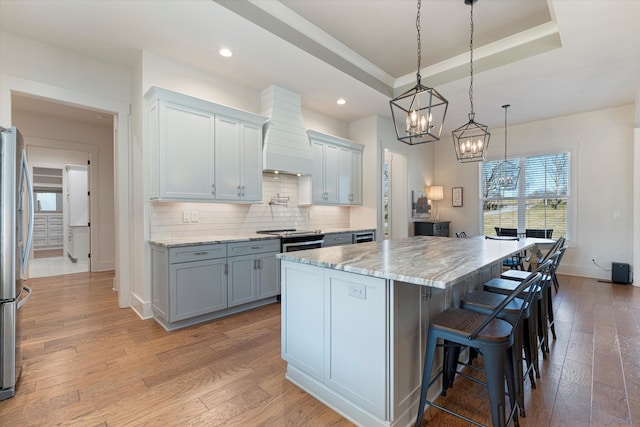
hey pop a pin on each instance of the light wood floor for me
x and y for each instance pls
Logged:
(88, 363)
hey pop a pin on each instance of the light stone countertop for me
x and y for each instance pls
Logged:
(209, 240)
(231, 238)
(439, 262)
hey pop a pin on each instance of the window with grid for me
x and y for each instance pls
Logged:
(539, 200)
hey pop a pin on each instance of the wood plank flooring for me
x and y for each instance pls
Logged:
(88, 363)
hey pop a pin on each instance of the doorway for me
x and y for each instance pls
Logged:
(394, 198)
(68, 139)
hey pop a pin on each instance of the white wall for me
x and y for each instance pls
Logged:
(36, 69)
(365, 132)
(601, 146)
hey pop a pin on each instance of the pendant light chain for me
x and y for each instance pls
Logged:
(506, 106)
(418, 114)
(419, 52)
(471, 140)
(471, 61)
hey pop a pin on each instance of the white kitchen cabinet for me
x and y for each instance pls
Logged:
(182, 165)
(253, 271)
(355, 177)
(47, 231)
(77, 195)
(326, 315)
(238, 160)
(337, 172)
(324, 176)
(202, 151)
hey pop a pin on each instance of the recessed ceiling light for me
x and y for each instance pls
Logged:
(225, 52)
(341, 101)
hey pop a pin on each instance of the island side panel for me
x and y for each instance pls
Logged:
(356, 339)
(303, 317)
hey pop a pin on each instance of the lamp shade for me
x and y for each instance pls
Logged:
(435, 192)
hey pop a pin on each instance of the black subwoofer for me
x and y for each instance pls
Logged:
(621, 273)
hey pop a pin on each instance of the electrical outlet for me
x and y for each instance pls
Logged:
(186, 216)
(195, 217)
(358, 291)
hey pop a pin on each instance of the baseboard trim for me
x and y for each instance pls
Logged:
(140, 307)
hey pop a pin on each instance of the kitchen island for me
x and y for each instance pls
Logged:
(354, 318)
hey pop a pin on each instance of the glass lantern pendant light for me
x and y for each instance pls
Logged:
(418, 114)
(471, 140)
(508, 172)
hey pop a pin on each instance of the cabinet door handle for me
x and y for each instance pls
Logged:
(226, 268)
(200, 253)
(213, 189)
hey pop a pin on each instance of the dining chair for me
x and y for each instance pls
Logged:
(544, 233)
(516, 260)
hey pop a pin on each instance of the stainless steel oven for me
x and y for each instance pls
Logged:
(301, 243)
(296, 240)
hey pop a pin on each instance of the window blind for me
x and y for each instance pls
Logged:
(539, 201)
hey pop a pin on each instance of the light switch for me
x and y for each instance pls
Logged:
(194, 216)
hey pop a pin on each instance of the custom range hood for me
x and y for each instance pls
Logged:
(286, 146)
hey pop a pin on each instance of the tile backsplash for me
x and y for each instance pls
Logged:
(167, 218)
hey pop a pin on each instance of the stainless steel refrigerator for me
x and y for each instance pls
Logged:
(16, 230)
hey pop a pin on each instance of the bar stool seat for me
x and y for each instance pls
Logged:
(493, 338)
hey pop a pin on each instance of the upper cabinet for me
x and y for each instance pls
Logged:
(337, 172)
(201, 151)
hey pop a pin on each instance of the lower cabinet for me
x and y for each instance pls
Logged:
(334, 328)
(191, 284)
(253, 275)
(200, 287)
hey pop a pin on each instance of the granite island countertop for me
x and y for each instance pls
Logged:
(438, 262)
(230, 238)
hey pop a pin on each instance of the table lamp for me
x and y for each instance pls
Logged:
(435, 193)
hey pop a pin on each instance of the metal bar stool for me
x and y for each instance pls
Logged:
(493, 338)
(547, 280)
(485, 302)
(538, 310)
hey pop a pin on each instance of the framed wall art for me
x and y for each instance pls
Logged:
(420, 207)
(456, 197)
